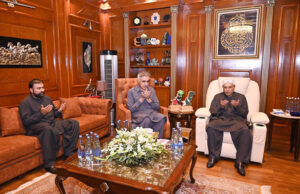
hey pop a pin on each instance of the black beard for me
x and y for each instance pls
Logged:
(40, 95)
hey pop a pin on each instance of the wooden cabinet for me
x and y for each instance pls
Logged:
(137, 54)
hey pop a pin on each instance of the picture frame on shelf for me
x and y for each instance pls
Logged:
(87, 62)
(237, 32)
(20, 53)
(139, 58)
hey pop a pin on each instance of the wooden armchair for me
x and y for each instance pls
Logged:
(122, 112)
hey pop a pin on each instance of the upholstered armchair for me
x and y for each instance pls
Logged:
(257, 120)
(122, 112)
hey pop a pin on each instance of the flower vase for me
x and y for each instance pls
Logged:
(148, 58)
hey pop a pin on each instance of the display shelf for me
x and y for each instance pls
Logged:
(140, 54)
(158, 86)
(151, 26)
(151, 46)
(146, 66)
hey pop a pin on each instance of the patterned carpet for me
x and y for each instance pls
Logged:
(45, 184)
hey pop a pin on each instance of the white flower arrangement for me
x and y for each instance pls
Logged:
(134, 147)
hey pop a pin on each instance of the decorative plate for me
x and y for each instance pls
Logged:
(137, 21)
(155, 18)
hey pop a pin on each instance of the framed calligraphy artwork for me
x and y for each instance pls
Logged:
(237, 32)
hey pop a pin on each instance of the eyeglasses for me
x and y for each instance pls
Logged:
(145, 81)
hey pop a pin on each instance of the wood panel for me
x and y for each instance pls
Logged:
(117, 40)
(80, 11)
(37, 24)
(283, 55)
(79, 79)
(284, 71)
(190, 51)
(59, 26)
(135, 5)
(81, 8)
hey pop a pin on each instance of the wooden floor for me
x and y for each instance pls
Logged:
(278, 170)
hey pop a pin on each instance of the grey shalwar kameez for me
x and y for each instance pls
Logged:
(145, 114)
(47, 128)
(229, 119)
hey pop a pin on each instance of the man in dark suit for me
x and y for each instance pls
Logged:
(229, 112)
(38, 115)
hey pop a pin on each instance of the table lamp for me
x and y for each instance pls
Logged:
(101, 87)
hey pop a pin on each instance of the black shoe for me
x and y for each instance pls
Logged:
(65, 157)
(211, 162)
(240, 168)
(51, 169)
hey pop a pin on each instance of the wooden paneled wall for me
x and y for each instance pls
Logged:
(59, 26)
(191, 50)
(79, 11)
(284, 67)
(116, 38)
(36, 24)
(284, 76)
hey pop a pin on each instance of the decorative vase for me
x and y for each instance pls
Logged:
(148, 58)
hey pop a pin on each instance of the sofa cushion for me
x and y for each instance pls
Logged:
(56, 103)
(72, 108)
(88, 122)
(16, 146)
(10, 122)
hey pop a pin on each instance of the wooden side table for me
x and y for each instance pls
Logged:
(295, 134)
(185, 118)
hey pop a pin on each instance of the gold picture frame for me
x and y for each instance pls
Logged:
(237, 32)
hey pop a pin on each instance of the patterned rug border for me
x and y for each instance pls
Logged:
(262, 189)
(35, 180)
(205, 184)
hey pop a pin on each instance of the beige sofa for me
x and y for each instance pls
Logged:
(20, 153)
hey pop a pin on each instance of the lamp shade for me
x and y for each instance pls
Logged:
(101, 86)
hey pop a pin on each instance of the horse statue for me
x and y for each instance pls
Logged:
(176, 100)
(90, 89)
(188, 99)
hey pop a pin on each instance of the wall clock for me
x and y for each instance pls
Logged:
(155, 18)
(137, 21)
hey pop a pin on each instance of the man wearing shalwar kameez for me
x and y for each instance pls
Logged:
(229, 113)
(144, 106)
(38, 115)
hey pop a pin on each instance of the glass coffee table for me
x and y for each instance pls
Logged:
(162, 175)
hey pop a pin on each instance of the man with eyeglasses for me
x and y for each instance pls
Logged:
(229, 112)
(144, 105)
